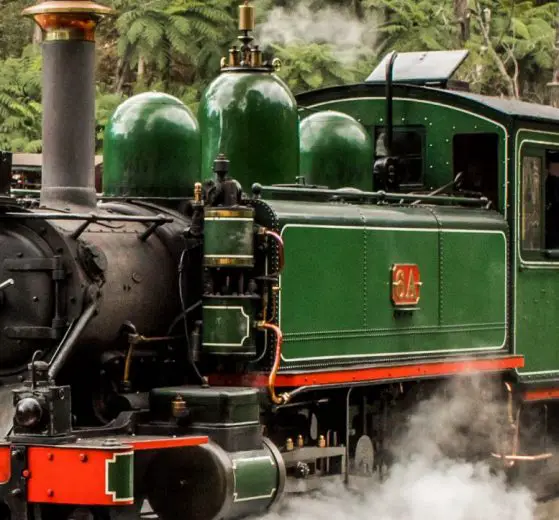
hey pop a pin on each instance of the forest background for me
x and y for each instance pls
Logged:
(175, 46)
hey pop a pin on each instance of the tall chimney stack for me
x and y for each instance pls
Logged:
(68, 170)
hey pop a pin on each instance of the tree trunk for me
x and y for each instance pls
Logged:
(462, 17)
(358, 9)
(37, 35)
(141, 68)
(554, 84)
(122, 70)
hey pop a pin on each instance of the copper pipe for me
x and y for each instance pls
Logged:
(281, 254)
(283, 398)
(512, 458)
(510, 413)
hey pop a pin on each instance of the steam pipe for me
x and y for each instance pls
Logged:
(283, 398)
(68, 128)
(281, 249)
(388, 133)
(67, 346)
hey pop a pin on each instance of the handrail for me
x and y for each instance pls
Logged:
(378, 196)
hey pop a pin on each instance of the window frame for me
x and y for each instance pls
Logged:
(542, 253)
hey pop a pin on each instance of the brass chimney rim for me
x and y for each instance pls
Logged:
(68, 7)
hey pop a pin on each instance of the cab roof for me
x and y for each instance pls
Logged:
(431, 72)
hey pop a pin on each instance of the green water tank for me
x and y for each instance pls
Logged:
(251, 117)
(336, 151)
(151, 148)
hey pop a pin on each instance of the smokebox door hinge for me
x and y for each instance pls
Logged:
(37, 264)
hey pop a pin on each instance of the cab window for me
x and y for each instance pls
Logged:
(476, 159)
(539, 196)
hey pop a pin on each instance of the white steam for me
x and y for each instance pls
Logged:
(426, 482)
(349, 37)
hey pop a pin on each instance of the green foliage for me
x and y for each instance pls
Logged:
(312, 66)
(175, 46)
(20, 102)
(156, 31)
(15, 31)
(105, 105)
(415, 25)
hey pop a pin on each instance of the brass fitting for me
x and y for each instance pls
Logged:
(255, 57)
(246, 17)
(234, 57)
(68, 19)
(300, 442)
(179, 408)
(198, 192)
(321, 442)
(289, 444)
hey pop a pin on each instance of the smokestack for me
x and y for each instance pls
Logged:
(68, 170)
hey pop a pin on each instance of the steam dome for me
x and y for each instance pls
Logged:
(151, 148)
(335, 151)
(252, 118)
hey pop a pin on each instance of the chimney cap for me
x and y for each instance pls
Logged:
(68, 7)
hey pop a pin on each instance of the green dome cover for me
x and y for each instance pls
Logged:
(151, 148)
(336, 151)
(252, 118)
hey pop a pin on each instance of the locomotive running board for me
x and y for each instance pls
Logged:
(97, 471)
(398, 372)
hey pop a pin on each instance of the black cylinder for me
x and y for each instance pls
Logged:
(68, 172)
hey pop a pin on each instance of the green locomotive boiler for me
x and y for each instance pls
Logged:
(264, 290)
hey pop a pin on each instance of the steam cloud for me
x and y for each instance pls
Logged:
(427, 482)
(349, 37)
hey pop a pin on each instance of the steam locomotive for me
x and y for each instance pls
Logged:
(263, 291)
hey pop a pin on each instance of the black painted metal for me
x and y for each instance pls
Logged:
(69, 342)
(83, 216)
(14, 491)
(5, 174)
(68, 172)
(389, 104)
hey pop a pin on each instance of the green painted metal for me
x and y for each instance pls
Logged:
(229, 237)
(120, 476)
(256, 476)
(440, 121)
(336, 151)
(335, 298)
(252, 118)
(151, 148)
(228, 325)
(535, 324)
(214, 405)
